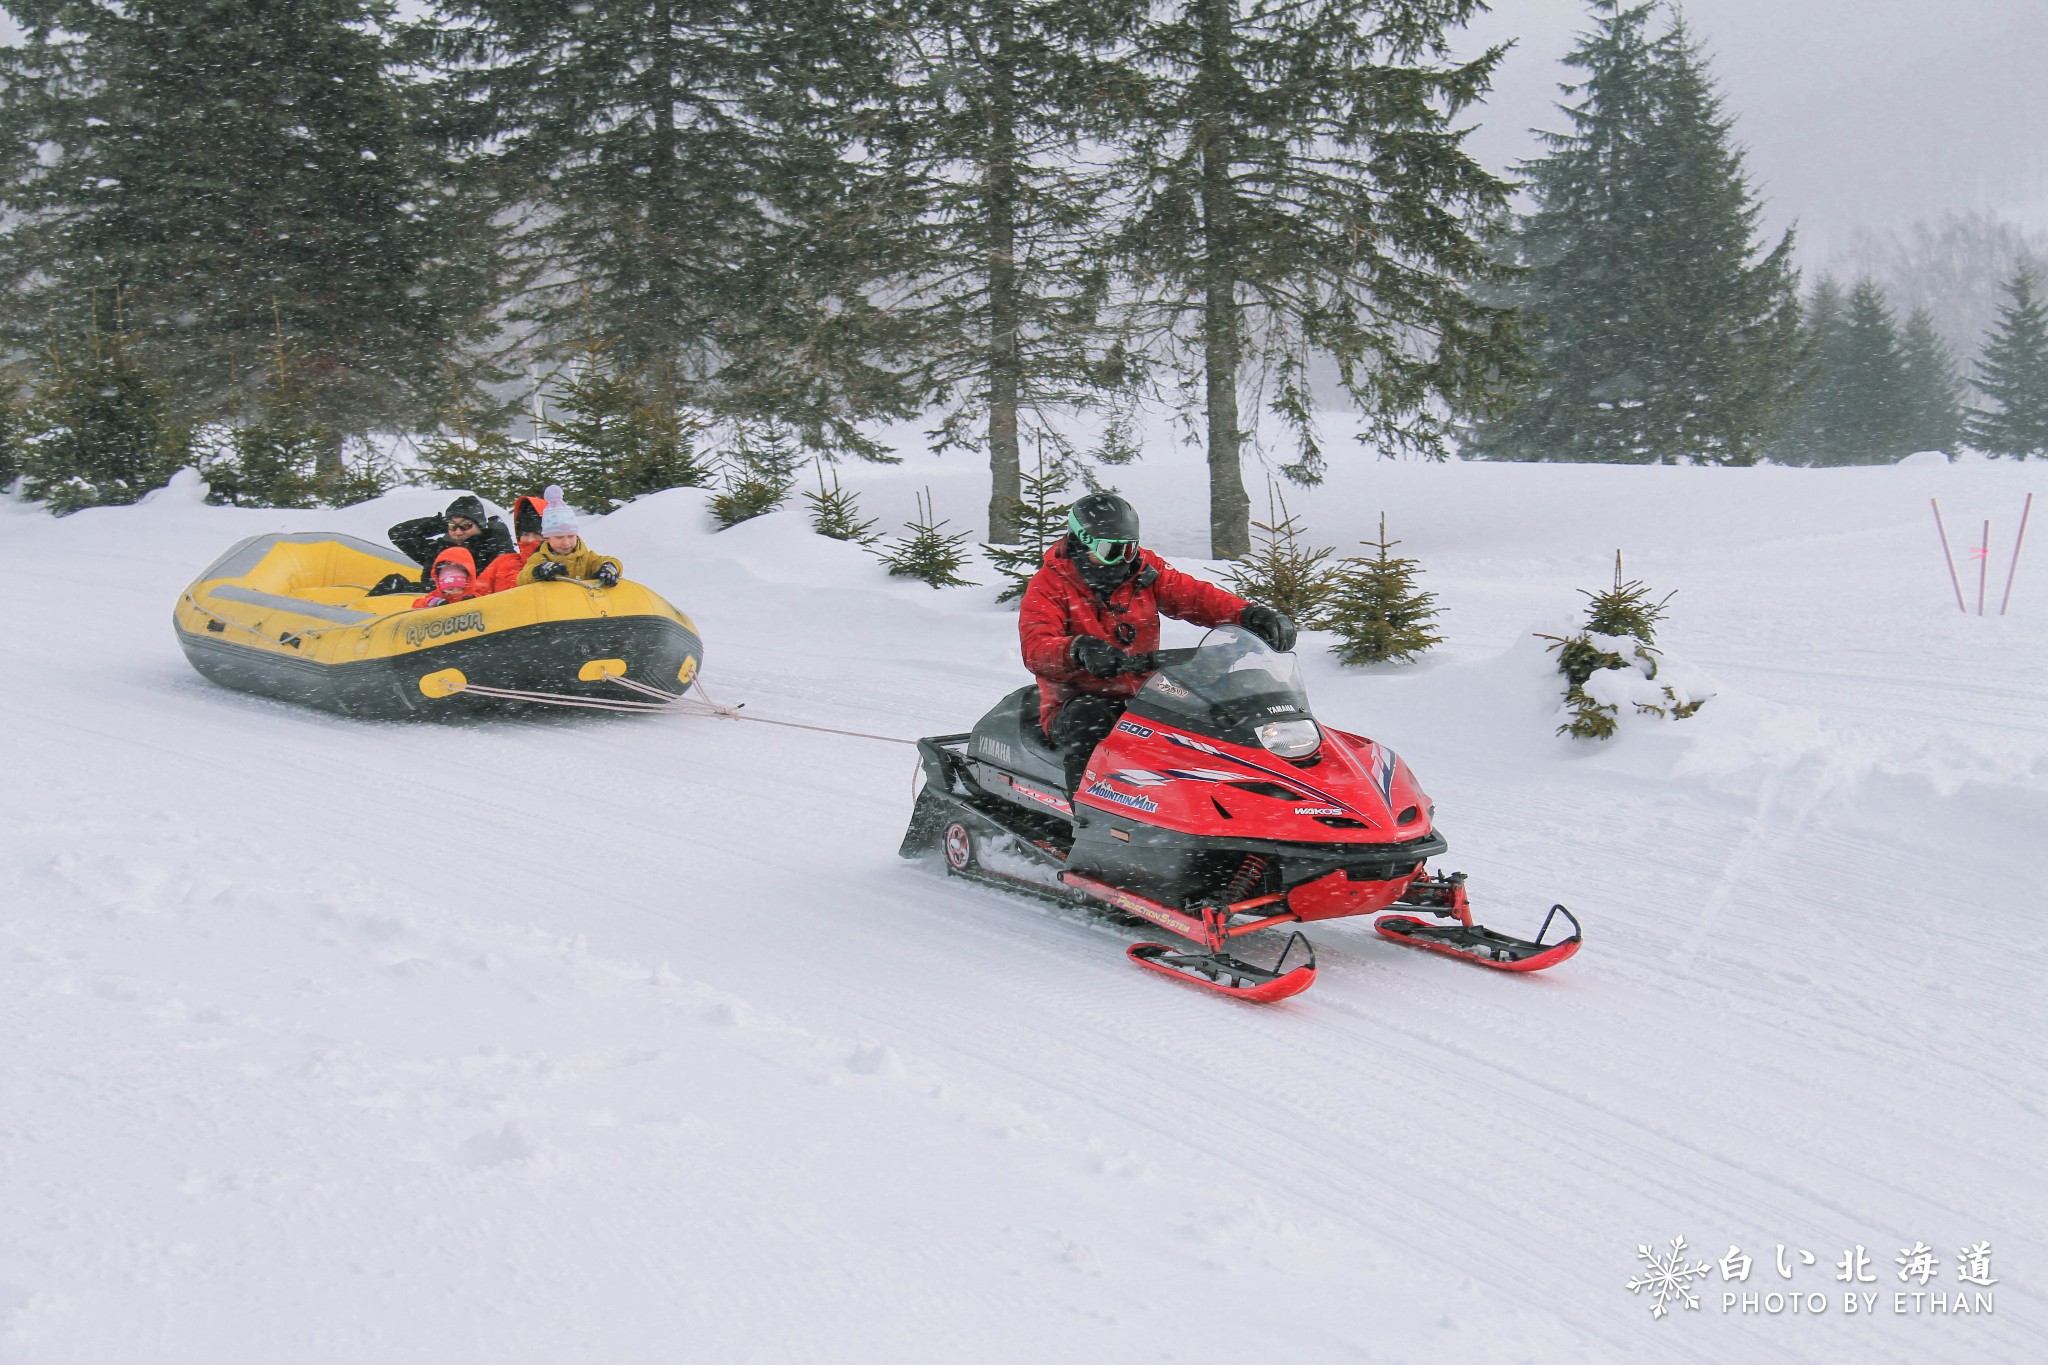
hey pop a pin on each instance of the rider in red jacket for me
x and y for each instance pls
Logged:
(1091, 613)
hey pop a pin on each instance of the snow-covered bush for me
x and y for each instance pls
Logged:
(1612, 667)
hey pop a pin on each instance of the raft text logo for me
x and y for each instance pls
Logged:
(1673, 1278)
(419, 632)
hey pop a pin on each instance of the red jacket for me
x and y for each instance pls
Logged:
(503, 572)
(1058, 605)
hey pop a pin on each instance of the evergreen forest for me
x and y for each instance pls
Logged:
(627, 247)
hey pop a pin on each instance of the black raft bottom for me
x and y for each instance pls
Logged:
(539, 658)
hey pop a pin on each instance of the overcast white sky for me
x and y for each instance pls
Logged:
(1855, 112)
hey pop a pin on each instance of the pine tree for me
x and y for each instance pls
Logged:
(278, 448)
(1282, 571)
(929, 553)
(760, 472)
(1862, 398)
(471, 449)
(236, 169)
(2013, 374)
(1041, 522)
(619, 436)
(1809, 432)
(1658, 331)
(990, 101)
(1303, 188)
(10, 442)
(1375, 609)
(835, 512)
(272, 458)
(1933, 388)
(685, 181)
(97, 430)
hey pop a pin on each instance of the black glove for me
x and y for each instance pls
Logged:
(1102, 658)
(607, 575)
(548, 570)
(1274, 627)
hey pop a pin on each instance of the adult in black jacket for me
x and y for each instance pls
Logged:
(465, 524)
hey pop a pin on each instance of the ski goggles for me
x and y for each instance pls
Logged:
(1105, 551)
(452, 577)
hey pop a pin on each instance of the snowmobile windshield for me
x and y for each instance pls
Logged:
(1235, 687)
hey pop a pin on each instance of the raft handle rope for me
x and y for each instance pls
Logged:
(291, 639)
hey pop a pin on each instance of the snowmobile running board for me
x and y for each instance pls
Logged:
(1476, 943)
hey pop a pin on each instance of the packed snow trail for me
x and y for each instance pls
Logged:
(649, 1048)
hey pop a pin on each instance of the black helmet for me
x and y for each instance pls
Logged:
(1102, 539)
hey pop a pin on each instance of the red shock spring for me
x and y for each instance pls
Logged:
(1250, 873)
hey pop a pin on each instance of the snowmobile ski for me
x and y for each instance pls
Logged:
(1487, 947)
(1227, 975)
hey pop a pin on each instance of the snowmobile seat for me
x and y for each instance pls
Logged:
(1009, 737)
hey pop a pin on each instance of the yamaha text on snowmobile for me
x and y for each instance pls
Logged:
(1218, 807)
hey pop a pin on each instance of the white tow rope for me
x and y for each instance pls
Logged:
(659, 701)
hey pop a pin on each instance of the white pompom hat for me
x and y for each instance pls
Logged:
(560, 518)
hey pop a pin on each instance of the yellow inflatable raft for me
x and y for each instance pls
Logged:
(289, 616)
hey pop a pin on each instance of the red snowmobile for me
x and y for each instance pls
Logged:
(1218, 807)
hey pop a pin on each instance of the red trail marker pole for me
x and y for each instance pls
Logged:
(2017, 541)
(1983, 566)
(1947, 557)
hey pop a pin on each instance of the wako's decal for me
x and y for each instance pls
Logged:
(419, 632)
(1317, 810)
(1104, 792)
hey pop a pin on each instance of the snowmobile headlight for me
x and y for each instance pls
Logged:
(1290, 738)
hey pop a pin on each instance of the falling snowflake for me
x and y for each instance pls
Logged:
(1669, 1277)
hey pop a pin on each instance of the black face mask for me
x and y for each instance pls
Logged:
(1104, 578)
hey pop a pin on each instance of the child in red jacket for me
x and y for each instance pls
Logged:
(454, 579)
(503, 572)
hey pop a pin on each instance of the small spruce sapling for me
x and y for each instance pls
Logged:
(835, 512)
(1041, 522)
(10, 449)
(489, 463)
(470, 449)
(1619, 635)
(1375, 608)
(928, 553)
(622, 434)
(273, 456)
(759, 476)
(1282, 571)
(97, 430)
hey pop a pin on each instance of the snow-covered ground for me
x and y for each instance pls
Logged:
(630, 1039)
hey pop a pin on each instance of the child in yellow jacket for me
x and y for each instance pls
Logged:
(562, 553)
